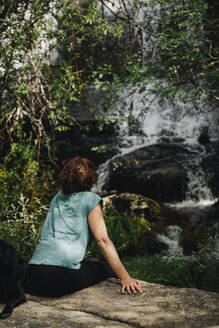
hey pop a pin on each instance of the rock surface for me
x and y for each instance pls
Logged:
(135, 205)
(103, 305)
(211, 166)
(145, 216)
(156, 171)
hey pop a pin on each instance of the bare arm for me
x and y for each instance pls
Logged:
(98, 228)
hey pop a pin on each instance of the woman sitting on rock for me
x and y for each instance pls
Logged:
(57, 266)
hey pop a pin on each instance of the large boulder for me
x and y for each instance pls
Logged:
(156, 171)
(158, 214)
(148, 218)
(103, 305)
(136, 205)
(143, 217)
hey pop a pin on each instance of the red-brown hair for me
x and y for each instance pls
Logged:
(78, 174)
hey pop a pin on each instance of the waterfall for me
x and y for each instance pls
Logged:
(157, 120)
(151, 119)
(172, 239)
(146, 118)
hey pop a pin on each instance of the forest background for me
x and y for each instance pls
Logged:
(41, 82)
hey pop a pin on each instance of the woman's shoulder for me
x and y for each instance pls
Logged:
(87, 196)
(92, 200)
(90, 195)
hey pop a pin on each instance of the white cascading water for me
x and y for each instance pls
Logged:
(159, 120)
(155, 119)
(172, 239)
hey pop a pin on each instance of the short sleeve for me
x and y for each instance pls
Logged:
(92, 201)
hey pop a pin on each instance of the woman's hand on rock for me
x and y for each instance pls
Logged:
(131, 285)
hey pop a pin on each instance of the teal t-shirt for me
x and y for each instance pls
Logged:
(65, 233)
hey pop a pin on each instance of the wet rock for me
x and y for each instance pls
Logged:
(211, 166)
(151, 217)
(204, 138)
(156, 171)
(135, 205)
(103, 305)
(212, 215)
(193, 237)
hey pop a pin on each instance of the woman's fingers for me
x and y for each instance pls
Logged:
(128, 289)
(137, 286)
(139, 289)
(131, 285)
(133, 289)
(123, 289)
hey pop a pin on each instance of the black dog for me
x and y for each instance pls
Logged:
(12, 275)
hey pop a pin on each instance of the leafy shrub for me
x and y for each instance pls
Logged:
(30, 177)
(131, 235)
(21, 227)
(200, 270)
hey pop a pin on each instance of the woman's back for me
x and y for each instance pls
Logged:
(65, 234)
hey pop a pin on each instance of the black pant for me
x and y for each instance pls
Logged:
(17, 277)
(54, 281)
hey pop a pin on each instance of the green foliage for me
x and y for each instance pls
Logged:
(21, 226)
(20, 28)
(37, 93)
(92, 54)
(200, 270)
(128, 233)
(104, 148)
(28, 176)
(189, 51)
(104, 122)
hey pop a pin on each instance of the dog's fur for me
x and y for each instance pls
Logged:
(12, 274)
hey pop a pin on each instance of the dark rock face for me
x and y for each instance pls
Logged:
(192, 237)
(156, 171)
(211, 165)
(83, 137)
